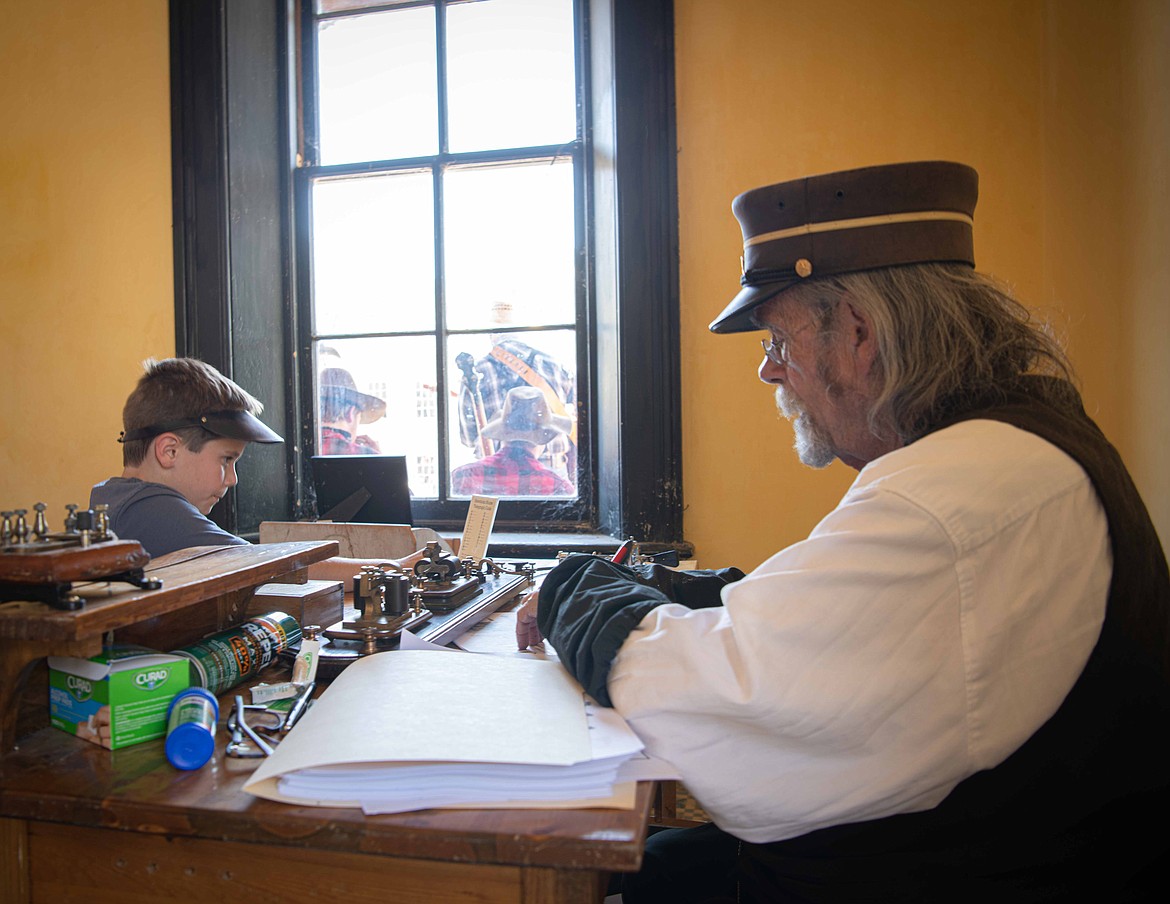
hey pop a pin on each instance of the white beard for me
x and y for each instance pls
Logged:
(813, 447)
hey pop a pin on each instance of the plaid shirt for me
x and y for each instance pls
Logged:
(513, 471)
(497, 378)
(339, 442)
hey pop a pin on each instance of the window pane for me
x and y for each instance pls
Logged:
(399, 372)
(510, 74)
(378, 87)
(509, 234)
(546, 462)
(373, 254)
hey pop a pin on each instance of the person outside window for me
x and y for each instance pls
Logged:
(343, 410)
(513, 363)
(523, 426)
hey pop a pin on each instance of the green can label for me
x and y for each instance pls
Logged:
(231, 657)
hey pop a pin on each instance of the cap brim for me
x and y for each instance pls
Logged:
(372, 409)
(239, 425)
(737, 316)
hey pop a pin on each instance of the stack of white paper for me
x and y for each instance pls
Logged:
(407, 730)
(395, 790)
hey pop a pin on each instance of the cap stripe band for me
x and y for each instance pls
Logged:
(760, 276)
(154, 430)
(920, 216)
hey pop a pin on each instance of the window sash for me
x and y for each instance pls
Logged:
(548, 514)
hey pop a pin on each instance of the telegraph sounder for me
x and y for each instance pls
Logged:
(437, 600)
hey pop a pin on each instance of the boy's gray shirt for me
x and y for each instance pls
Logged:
(158, 517)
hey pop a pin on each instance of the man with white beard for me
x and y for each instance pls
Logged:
(956, 688)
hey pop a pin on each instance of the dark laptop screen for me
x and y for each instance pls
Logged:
(370, 488)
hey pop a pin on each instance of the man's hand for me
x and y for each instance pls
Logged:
(527, 633)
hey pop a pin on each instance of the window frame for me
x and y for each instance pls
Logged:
(233, 130)
(550, 513)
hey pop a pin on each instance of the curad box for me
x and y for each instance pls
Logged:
(117, 698)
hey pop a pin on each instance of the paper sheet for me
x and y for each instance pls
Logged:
(497, 634)
(408, 641)
(404, 706)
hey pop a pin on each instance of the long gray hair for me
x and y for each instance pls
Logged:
(944, 333)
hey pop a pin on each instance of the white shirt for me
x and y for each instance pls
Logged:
(924, 630)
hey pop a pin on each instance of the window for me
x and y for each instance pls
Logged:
(240, 296)
(443, 194)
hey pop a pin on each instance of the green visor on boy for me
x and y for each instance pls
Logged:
(239, 425)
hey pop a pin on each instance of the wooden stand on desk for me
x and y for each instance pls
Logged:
(221, 578)
(357, 539)
(81, 823)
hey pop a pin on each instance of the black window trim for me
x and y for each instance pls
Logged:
(232, 130)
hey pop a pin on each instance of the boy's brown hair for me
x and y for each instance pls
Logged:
(176, 389)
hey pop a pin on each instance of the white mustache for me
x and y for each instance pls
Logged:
(787, 404)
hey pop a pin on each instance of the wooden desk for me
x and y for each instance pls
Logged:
(80, 823)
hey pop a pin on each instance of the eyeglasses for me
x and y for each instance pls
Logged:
(777, 352)
(777, 348)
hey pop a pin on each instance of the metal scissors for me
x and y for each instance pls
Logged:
(239, 726)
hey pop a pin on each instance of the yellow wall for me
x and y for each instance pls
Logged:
(1146, 261)
(86, 284)
(1059, 105)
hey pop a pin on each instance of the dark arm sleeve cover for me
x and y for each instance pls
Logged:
(588, 606)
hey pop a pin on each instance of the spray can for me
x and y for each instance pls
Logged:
(228, 658)
(191, 720)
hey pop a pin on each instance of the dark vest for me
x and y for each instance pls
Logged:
(1079, 809)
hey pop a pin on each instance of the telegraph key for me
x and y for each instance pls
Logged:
(39, 565)
(436, 600)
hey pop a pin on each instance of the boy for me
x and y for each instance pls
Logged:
(185, 426)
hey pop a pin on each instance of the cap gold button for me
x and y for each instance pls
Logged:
(804, 268)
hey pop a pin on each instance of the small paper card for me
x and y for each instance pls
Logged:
(477, 530)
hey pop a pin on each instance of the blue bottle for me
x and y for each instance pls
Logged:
(191, 721)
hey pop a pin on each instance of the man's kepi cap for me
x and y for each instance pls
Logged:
(240, 425)
(862, 219)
